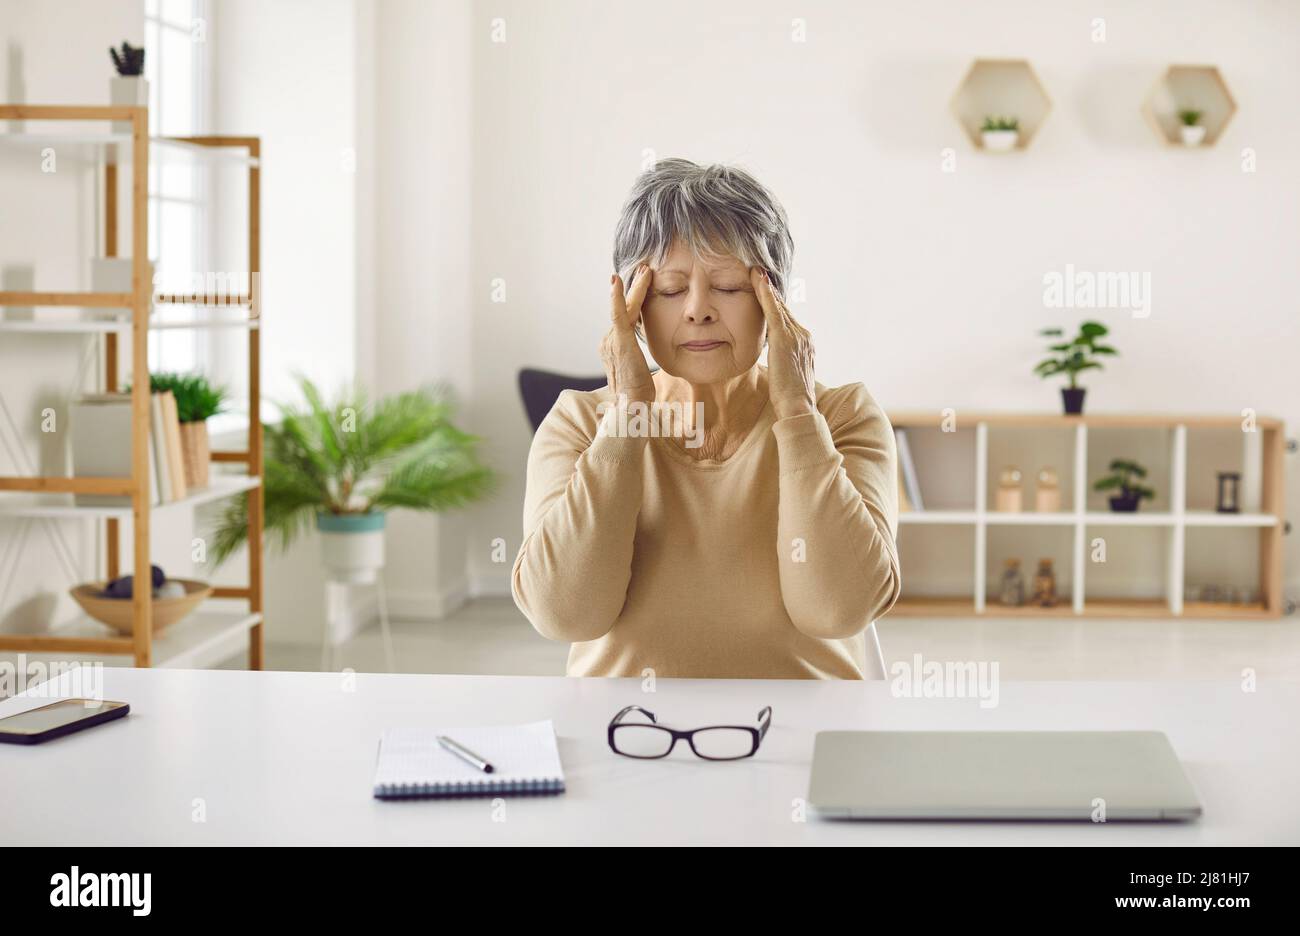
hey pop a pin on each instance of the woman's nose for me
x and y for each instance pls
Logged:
(697, 312)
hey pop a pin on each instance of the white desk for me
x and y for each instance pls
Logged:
(288, 758)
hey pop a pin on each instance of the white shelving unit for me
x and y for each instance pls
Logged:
(233, 617)
(205, 638)
(1174, 522)
(93, 146)
(118, 326)
(62, 507)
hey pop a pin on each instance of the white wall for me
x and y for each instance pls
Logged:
(925, 285)
(420, 306)
(365, 127)
(287, 71)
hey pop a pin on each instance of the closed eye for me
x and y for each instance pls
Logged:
(722, 289)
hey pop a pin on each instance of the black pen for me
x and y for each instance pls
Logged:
(465, 754)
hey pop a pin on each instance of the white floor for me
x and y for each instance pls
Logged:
(490, 636)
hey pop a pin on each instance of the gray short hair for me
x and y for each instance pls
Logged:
(714, 209)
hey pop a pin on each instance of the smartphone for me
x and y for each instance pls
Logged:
(57, 719)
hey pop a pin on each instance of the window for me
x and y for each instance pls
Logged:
(178, 67)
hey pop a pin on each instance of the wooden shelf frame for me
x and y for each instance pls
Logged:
(138, 303)
(1270, 521)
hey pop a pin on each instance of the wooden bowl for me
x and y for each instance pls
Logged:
(117, 612)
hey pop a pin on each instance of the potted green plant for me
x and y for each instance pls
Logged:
(129, 88)
(1071, 357)
(1125, 476)
(1000, 134)
(197, 401)
(1191, 130)
(343, 465)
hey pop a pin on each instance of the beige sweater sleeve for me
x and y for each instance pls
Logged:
(584, 493)
(838, 514)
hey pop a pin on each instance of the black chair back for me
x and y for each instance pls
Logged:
(540, 389)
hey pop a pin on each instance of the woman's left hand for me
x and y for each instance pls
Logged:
(790, 381)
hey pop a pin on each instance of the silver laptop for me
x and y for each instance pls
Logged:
(1083, 775)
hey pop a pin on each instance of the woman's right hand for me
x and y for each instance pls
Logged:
(625, 364)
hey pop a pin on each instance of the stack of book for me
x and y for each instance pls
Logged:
(100, 430)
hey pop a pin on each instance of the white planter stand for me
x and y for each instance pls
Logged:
(342, 589)
(352, 549)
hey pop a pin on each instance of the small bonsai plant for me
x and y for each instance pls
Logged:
(1000, 133)
(1125, 475)
(332, 464)
(130, 62)
(1192, 131)
(1072, 357)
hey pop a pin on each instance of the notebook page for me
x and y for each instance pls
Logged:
(523, 755)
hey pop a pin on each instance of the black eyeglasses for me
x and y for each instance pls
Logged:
(716, 742)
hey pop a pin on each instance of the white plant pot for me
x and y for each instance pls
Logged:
(352, 547)
(1192, 136)
(1000, 141)
(127, 91)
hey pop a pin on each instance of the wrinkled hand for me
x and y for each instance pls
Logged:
(790, 380)
(625, 364)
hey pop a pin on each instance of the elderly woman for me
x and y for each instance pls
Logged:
(759, 540)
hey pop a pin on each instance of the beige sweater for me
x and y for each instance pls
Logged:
(770, 563)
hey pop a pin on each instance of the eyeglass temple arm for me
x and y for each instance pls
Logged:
(632, 708)
(765, 718)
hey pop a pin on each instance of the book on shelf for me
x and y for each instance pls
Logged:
(170, 441)
(100, 438)
(158, 452)
(910, 498)
(904, 502)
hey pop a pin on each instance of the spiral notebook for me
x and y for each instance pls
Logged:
(412, 764)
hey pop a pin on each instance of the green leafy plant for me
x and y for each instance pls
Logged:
(993, 124)
(130, 63)
(352, 456)
(1125, 476)
(1190, 117)
(1074, 355)
(196, 399)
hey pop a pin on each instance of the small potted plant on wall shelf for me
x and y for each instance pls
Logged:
(1000, 134)
(341, 466)
(1071, 357)
(1125, 476)
(1192, 130)
(129, 88)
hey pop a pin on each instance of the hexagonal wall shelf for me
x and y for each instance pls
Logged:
(1001, 88)
(1189, 87)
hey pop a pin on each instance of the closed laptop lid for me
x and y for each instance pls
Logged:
(1084, 775)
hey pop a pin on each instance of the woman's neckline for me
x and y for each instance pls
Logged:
(761, 425)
